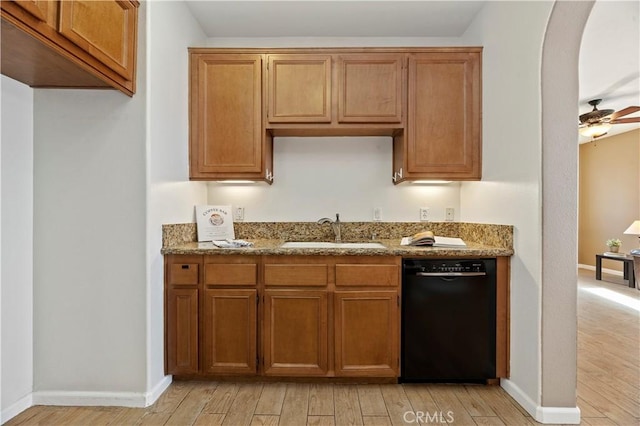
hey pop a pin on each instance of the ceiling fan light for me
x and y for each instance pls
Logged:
(595, 130)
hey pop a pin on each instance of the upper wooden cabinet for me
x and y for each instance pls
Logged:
(227, 135)
(299, 89)
(443, 135)
(71, 43)
(104, 29)
(370, 88)
(43, 10)
(335, 92)
(427, 99)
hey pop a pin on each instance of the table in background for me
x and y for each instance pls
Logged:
(627, 267)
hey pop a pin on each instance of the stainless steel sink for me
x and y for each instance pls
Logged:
(324, 244)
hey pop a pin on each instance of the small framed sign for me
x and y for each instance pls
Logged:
(214, 223)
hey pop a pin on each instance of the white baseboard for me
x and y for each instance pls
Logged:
(521, 398)
(563, 415)
(154, 394)
(16, 408)
(558, 415)
(80, 398)
(90, 398)
(604, 270)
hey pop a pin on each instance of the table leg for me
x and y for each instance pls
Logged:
(598, 267)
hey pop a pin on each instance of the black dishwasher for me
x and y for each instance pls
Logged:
(448, 320)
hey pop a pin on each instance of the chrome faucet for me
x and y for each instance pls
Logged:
(335, 225)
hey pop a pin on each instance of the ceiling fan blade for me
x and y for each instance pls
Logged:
(625, 111)
(626, 120)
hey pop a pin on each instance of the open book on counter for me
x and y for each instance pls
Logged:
(427, 238)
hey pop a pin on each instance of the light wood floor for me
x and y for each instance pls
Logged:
(608, 389)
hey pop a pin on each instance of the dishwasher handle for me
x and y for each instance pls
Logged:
(451, 274)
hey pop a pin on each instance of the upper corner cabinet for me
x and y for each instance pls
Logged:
(227, 136)
(370, 88)
(299, 88)
(105, 29)
(71, 43)
(443, 139)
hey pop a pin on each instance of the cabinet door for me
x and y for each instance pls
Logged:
(299, 89)
(370, 88)
(226, 116)
(182, 330)
(367, 333)
(44, 10)
(104, 29)
(229, 331)
(295, 333)
(444, 113)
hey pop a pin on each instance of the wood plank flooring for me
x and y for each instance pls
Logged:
(608, 389)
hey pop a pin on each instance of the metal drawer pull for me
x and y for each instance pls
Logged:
(185, 266)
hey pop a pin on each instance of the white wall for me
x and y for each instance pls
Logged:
(16, 278)
(171, 196)
(512, 34)
(90, 218)
(316, 177)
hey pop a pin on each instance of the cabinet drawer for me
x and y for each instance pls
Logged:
(295, 275)
(230, 273)
(183, 273)
(367, 275)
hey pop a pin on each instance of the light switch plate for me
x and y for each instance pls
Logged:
(449, 214)
(377, 214)
(238, 214)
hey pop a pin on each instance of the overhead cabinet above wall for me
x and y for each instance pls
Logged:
(71, 43)
(443, 137)
(334, 90)
(427, 99)
(228, 139)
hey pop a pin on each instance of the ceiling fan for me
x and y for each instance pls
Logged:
(597, 122)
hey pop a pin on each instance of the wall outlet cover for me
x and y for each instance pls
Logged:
(424, 214)
(238, 214)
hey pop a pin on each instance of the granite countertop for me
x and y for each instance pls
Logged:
(392, 248)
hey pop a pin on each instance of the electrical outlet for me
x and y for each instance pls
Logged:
(424, 214)
(377, 214)
(238, 214)
(449, 214)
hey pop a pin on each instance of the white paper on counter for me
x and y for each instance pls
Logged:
(214, 223)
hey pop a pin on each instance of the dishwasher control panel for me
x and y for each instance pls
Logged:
(444, 266)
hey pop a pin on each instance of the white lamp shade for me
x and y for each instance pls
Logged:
(595, 130)
(634, 229)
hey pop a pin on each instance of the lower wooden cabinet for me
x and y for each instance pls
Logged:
(229, 331)
(366, 333)
(287, 316)
(211, 315)
(338, 316)
(182, 330)
(295, 332)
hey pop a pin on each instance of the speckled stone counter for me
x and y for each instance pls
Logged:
(483, 240)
